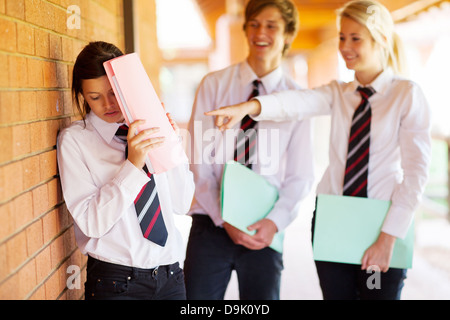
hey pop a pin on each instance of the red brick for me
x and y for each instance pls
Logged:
(12, 180)
(42, 43)
(7, 223)
(50, 80)
(28, 105)
(35, 238)
(67, 49)
(40, 200)
(52, 287)
(37, 130)
(62, 75)
(21, 140)
(25, 39)
(18, 74)
(6, 144)
(69, 241)
(9, 107)
(16, 251)
(15, 8)
(22, 207)
(9, 35)
(31, 172)
(54, 193)
(57, 251)
(35, 73)
(48, 164)
(4, 70)
(38, 294)
(27, 279)
(3, 266)
(55, 47)
(50, 225)
(9, 290)
(43, 264)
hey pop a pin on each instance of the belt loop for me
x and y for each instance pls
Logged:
(134, 273)
(155, 273)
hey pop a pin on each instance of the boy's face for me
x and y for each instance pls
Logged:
(266, 34)
(100, 97)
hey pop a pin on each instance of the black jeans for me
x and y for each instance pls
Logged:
(212, 256)
(341, 281)
(108, 281)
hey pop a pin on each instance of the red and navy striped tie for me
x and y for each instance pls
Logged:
(357, 167)
(245, 151)
(147, 204)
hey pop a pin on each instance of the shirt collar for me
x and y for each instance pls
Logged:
(269, 81)
(380, 84)
(105, 129)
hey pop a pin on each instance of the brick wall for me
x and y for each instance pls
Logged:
(37, 53)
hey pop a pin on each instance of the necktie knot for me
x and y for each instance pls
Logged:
(122, 132)
(365, 92)
(255, 91)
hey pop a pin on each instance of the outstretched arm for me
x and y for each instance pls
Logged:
(227, 117)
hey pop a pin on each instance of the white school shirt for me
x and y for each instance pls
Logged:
(400, 141)
(100, 186)
(284, 149)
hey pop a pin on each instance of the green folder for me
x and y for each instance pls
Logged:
(247, 197)
(346, 226)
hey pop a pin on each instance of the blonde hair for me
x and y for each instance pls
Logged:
(378, 20)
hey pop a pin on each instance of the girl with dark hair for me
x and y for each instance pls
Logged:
(123, 216)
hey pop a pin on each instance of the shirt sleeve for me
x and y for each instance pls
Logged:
(95, 209)
(296, 104)
(181, 186)
(415, 149)
(202, 131)
(299, 177)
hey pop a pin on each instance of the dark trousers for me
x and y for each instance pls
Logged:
(212, 256)
(108, 281)
(341, 281)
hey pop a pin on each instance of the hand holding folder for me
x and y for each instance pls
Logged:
(138, 101)
(246, 198)
(346, 226)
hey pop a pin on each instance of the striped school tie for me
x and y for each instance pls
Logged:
(147, 204)
(245, 151)
(357, 167)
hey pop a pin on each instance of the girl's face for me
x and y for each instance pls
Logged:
(100, 97)
(358, 49)
(266, 36)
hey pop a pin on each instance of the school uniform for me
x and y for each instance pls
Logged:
(100, 186)
(283, 157)
(400, 142)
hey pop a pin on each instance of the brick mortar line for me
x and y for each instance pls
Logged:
(21, 123)
(34, 57)
(44, 246)
(93, 22)
(40, 184)
(53, 271)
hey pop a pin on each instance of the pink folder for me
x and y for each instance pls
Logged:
(138, 101)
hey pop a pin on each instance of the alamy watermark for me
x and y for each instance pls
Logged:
(212, 146)
(73, 281)
(74, 19)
